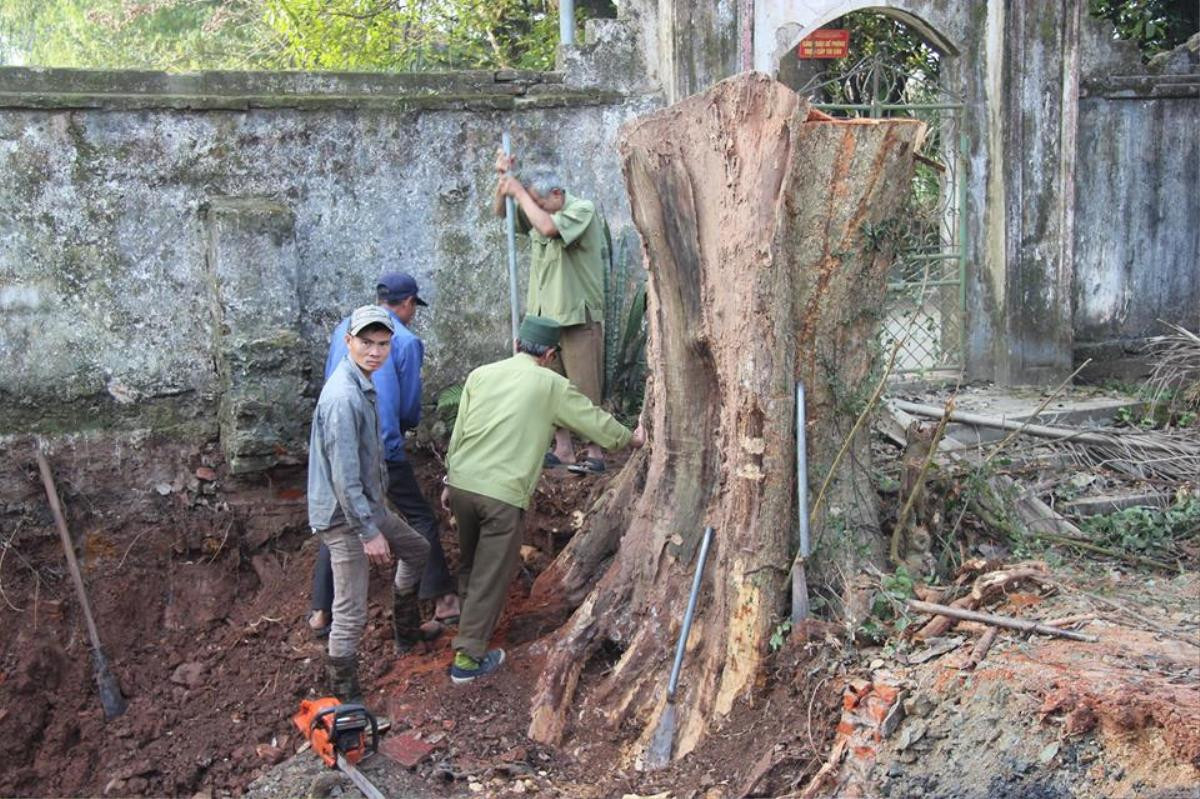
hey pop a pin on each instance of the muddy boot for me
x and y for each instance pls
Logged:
(343, 679)
(406, 621)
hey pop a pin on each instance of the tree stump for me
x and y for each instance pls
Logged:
(765, 229)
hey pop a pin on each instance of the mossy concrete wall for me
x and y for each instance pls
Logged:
(175, 249)
(1137, 199)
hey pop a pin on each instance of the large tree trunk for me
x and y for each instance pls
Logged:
(765, 239)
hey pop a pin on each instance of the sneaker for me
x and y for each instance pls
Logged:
(467, 669)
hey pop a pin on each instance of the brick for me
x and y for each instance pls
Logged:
(405, 749)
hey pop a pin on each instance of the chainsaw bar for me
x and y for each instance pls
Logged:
(361, 782)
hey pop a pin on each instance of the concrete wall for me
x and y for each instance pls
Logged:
(144, 217)
(129, 202)
(1137, 199)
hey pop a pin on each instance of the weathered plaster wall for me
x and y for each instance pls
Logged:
(1137, 240)
(1040, 104)
(115, 204)
(686, 46)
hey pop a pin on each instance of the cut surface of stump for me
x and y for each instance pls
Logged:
(765, 235)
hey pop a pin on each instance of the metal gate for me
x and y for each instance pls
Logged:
(926, 299)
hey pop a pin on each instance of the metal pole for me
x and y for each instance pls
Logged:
(681, 647)
(566, 22)
(799, 578)
(510, 223)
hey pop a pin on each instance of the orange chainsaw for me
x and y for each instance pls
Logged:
(338, 734)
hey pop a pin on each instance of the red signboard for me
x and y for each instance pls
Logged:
(825, 43)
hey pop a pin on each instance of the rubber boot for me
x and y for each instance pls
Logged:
(406, 621)
(343, 679)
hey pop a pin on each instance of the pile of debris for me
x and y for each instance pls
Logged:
(1039, 482)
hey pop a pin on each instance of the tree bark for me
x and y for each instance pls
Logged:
(765, 235)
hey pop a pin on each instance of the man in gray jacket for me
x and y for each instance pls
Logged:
(347, 484)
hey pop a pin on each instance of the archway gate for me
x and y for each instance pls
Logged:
(925, 315)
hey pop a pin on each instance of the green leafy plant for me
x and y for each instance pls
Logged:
(1154, 25)
(779, 635)
(359, 35)
(624, 328)
(887, 606)
(1147, 531)
(448, 400)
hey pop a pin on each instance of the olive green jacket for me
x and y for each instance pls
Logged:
(566, 272)
(506, 417)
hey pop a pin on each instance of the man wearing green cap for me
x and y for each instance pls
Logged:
(507, 414)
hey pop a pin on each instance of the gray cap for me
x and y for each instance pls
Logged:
(370, 315)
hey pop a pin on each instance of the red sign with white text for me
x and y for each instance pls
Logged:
(825, 43)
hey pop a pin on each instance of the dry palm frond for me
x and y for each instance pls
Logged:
(1164, 454)
(1175, 378)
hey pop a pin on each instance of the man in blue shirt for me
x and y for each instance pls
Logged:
(398, 396)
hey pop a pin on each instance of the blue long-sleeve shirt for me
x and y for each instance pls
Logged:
(397, 383)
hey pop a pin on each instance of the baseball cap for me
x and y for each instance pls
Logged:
(370, 315)
(397, 286)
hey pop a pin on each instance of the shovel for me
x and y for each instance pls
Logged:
(510, 229)
(799, 579)
(110, 692)
(658, 754)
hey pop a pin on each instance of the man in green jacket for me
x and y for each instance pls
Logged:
(568, 256)
(508, 411)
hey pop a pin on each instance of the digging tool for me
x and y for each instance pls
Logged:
(658, 754)
(110, 692)
(338, 734)
(510, 224)
(799, 579)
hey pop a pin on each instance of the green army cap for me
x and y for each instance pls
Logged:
(539, 330)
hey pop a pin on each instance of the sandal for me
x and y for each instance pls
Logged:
(432, 629)
(587, 466)
(318, 632)
(552, 461)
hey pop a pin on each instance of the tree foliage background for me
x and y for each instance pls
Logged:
(1155, 25)
(387, 35)
(369, 35)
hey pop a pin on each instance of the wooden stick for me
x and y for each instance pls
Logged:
(929, 162)
(980, 650)
(919, 485)
(1067, 621)
(110, 690)
(1008, 622)
(941, 623)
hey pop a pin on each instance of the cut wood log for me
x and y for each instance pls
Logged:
(987, 586)
(938, 625)
(980, 650)
(766, 238)
(1000, 621)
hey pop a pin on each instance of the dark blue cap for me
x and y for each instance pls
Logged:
(396, 286)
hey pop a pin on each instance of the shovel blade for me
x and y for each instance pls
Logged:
(658, 753)
(110, 690)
